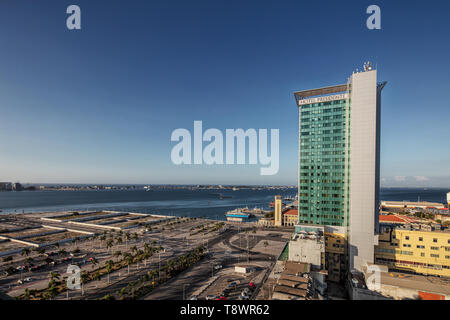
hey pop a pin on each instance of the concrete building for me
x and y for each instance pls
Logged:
(414, 248)
(339, 161)
(411, 205)
(389, 285)
(308, 246)
(6, 186)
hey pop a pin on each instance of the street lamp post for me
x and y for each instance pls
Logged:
(184, 290)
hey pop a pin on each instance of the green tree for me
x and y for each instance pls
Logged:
(26, 251)
(109, 267)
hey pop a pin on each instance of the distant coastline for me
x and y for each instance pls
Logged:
(195, 201)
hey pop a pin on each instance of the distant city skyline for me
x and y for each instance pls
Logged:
(98, 105)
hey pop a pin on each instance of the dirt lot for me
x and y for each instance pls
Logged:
(55, 237)
(76, 216)
(9, 245)
(28, 232)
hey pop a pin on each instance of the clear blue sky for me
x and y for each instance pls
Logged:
(99, 105)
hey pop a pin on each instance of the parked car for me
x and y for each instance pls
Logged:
(210, 297)
(193, 298)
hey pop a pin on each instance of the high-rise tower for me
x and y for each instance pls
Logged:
(339, 160)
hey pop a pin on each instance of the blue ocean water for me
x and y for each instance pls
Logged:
(193, 203)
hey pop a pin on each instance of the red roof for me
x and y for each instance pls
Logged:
(291, 212)
(391, 219)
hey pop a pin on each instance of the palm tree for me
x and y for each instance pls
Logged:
(129, 260)
(54, 275)
(51, 292)
(122, 292)
(26, 251)
(108, 297)
(26, 295)
(96, 277)
(109, 244)
(145, 256)
(117, 254)
(132, 284)
(109, 266)
(52, 284)
(128, 237)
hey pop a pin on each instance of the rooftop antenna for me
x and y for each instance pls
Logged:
(367, 66)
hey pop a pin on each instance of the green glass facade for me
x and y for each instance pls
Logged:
(324, 163)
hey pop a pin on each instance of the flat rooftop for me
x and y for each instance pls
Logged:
(412, 203)
(418, 282)
(320, 91)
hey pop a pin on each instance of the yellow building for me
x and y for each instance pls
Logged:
(335, 256)
(419, 251)
(266, 222)
(290, 217)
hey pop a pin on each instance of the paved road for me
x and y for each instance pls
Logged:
(194, 278)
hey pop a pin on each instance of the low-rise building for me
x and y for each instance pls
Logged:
(290, 217)
(6, 186)
(377, 282)
(324, 247)
(307, 245)
(299, 281)
(282, 215)
(414, 248)
(266, 222)
(411, 204)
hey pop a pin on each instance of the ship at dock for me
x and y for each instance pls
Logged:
(242, 214)
(238, 215)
